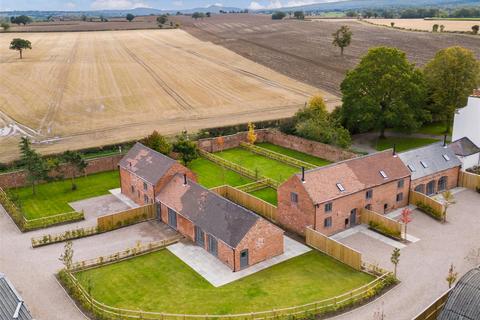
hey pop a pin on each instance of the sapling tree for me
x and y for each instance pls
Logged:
(448, 200)
(67, 256)
(395, 259)
(251, 136)
(452, 276)
(406, 218)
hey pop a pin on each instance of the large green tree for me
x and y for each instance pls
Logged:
(35, 166)
(186, 148)
(383, 91)
(158, 143)
(20, 45)
(451, 77)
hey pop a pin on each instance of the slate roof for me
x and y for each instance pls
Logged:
(433, 156)
(10, 300)
(146, 163)
(214, 214)
(464, 299)
(354, 175)
(464, 147)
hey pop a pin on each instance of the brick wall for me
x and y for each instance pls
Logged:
(226, 254)
(451, 174)
(19, 178)
(263, 241)
(314, 148)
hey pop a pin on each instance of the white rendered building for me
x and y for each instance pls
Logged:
(467, 120)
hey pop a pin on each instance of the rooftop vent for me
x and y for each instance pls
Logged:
(446, 157)
(411, 167)
(184, 179)
(340, 187)
(383, 174)
(424, 164)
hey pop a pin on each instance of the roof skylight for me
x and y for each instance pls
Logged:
(340, 187)
(446, 157)
(424, 164)
(383, 174)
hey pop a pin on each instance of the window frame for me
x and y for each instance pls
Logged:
(294, 197)
(328, 222)
(369, 194)
(399, 196)
(328, 207)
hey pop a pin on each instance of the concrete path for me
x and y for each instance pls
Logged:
(219, 274)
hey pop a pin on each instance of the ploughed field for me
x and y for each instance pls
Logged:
(83, 89)
(427, 25)
(303, 49)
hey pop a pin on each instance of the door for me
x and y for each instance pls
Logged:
(431, 188)
(212, 245)
(199, 237)
(353, 217)
(158, 208)
(172, 218)
(442, 184)
(244, 259)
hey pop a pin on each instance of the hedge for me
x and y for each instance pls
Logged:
(384, 230)
(437, 215)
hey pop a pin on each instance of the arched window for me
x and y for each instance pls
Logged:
(431, 187)
(442, 183)
(420, 188)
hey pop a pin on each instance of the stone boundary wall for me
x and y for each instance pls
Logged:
(314, 148)
(19, 178)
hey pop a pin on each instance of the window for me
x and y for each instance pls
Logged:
(145, 198)
(328, 207)
(145, 187)
(446, 157)
(400, 184)
(294, 197)
(327, 223)
(369, 194)
(340, 187)
(411, 167)
(399, 196)
(383, 174)
(133, 189)
(424, 164)
(442, 184)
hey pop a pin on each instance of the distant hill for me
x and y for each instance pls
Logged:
(378, 4)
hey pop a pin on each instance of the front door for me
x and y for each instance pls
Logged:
(431, 188)
(244, 259)
(199, 237)
(158, 208)
(172, 218)
(212, 245)
(353, 217)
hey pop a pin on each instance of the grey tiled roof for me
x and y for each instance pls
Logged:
(10, 300)
(214, 214)
(464, 300)
(433, 156)
(146, 163)
(464, 147)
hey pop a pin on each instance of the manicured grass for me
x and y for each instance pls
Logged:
(437, 128)
(52, 198)
(294, 154)
(403, 144)
(212, 175)
(161, 282)
(270, 168)
(266, 194)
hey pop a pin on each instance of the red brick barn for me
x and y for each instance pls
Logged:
(235, 235)
(434, 168)
(330, 198)
(144, 172)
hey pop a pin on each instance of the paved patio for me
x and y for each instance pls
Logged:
(99, 206)
(217, 273)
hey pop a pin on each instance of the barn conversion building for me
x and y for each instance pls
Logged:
(11, 303)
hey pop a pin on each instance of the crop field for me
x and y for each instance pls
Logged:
(421, 24)
(303, 50)
(82, 89)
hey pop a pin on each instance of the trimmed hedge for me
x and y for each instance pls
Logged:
(437, 215)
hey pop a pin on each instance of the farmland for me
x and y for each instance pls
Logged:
(303, 49)
(422, 24)
(83, 89)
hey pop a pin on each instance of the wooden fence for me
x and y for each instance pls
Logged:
(334, 248)
(469, 180)
(248, 201)
(253, 186)
(391, 226)
(127, 217)
(433, 311)
(416, 197)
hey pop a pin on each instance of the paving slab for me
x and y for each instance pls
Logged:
(99, 206)
(219, 274)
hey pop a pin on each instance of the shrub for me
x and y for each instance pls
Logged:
(438, 215)
(384, 230)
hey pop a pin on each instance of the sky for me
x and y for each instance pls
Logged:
(73, 5)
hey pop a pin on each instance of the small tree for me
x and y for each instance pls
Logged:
(20, 45)
(5, 26)
(187, 148)
(435, 28)
(342, 38)
(452, 276)
(279, 15)
(449, 199)
(67, 256)
(395, 259)
(392, 24)
(158, 143)
(406, 218)
(130, 17)
(475, 29)
(76, 164)
(162, 19)
(34, 164)
(442, 27)
(251, 135)
(299, 15)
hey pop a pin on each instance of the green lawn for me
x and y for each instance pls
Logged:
(266, 194)
(161, 282)
(403, 144)
(212, 175)
(270, 168)
(437, 128)
(52, 198)
(294, 154)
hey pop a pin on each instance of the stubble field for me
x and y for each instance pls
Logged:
(427, 25)
(82, 89)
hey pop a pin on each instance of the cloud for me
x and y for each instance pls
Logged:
(70, 5)
(177, 3)
(297, 3)
(273, 4)
(117, 4)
